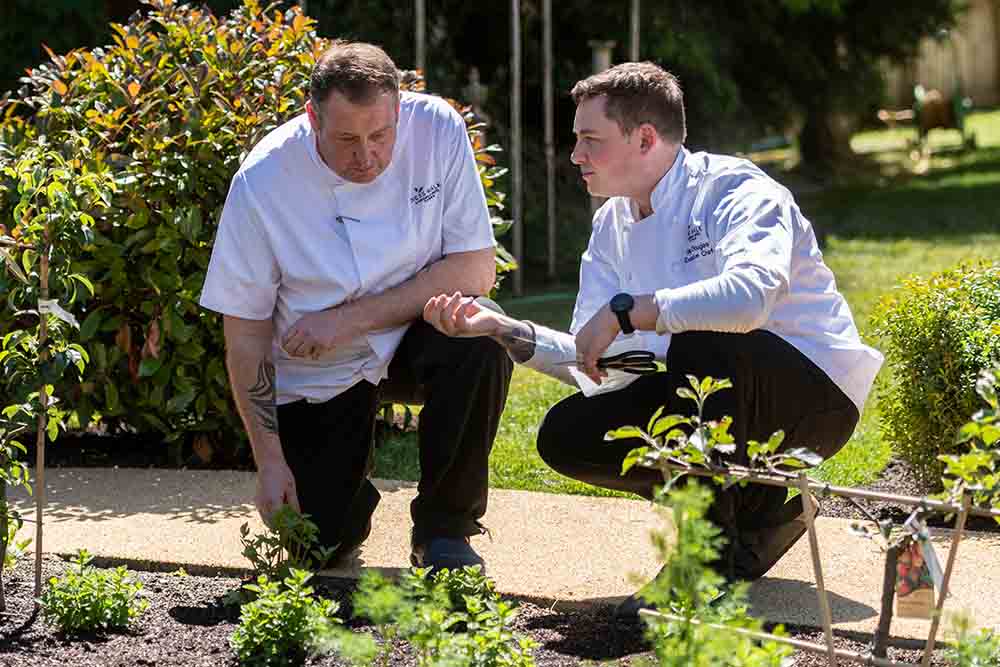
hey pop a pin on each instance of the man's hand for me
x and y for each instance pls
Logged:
(593, 339)
(315, 334)
(460, 316)
(275, 487)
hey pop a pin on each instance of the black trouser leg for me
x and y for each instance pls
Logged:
(775, 387)
(465, 383)
(328, 447)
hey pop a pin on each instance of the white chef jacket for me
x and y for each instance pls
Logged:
(295, 238)
(725, 249)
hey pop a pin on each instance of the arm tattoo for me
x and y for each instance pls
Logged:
(518, 338)
(262, 397)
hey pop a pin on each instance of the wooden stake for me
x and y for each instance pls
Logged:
(881, 641)
(824, 603)
(43, 401)
(956, 539)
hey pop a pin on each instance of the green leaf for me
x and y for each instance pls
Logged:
(90, 325)
(111, 396)
(684, 392)
(624, 432)
(806, 456)
(666, 423)
(12, 265)
(633, 458)
(149, 367)
(652, 420)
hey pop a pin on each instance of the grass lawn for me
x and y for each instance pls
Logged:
(892, 223)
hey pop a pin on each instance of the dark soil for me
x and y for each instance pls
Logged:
(897, 478)
(187, 624)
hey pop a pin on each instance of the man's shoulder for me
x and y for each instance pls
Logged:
(281, 144)
(429, 117)
(730, 173)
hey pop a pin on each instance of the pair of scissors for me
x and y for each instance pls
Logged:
(634, 362)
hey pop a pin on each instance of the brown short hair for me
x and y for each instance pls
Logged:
(356, 70)
(638, 93)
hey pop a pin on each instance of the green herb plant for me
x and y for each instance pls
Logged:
(291, 541)
(285, 623)
(971, 648)
(451, 618)
(90, 599)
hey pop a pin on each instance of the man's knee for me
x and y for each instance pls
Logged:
(554, 437)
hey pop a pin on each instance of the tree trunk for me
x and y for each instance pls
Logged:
(824, 139)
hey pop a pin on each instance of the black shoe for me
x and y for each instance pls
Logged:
(452, 553)
(628, 609)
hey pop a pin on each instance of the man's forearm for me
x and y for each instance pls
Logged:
(252, 379)
(470, 273)
(515, 336)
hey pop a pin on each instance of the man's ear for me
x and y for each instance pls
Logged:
(314, 118)
(648, 138)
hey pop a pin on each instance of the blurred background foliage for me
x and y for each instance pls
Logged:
(807, 69)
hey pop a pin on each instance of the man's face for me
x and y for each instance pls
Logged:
(606, 157)
(356, 140)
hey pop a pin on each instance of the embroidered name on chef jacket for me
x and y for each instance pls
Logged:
(425, 193)
(698, 243)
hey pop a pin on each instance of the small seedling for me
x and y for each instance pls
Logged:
(89, 599)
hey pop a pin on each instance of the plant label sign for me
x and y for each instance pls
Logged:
(918, 573)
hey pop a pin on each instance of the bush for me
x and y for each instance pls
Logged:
(291, 541)
(284, 624)
(88, 599)
(939, 334)
(170, 110)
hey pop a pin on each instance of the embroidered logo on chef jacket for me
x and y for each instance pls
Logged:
(425, 193)
(698, 245)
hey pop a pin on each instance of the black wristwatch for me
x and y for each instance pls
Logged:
(621, 305)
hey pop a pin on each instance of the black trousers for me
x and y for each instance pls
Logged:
(774, 387)
(329, 446)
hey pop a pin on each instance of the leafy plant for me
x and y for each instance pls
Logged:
(971, 648)
(284, 623)
(694, 441)
(690, 590)
(977, 471)
(939, 333)
(89, 599)
(13, 472)
(449, 617)
(289, 543)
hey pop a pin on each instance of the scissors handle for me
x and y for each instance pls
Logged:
(636, 362)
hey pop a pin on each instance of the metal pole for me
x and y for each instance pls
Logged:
(515, 123)
(420, 19)
(634, 40)
(550, 150)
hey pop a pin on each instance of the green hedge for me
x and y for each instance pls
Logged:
(170, 110)
(939, 333)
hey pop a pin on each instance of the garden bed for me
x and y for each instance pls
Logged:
(187, 624)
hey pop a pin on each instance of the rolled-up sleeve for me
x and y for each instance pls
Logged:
(243, 274)
(753, 224)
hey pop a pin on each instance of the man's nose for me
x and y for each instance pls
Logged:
(576, 156)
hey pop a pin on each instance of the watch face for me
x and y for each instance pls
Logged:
(622, 303)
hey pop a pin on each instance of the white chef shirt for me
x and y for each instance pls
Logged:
(725, 249)
(295, 238)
